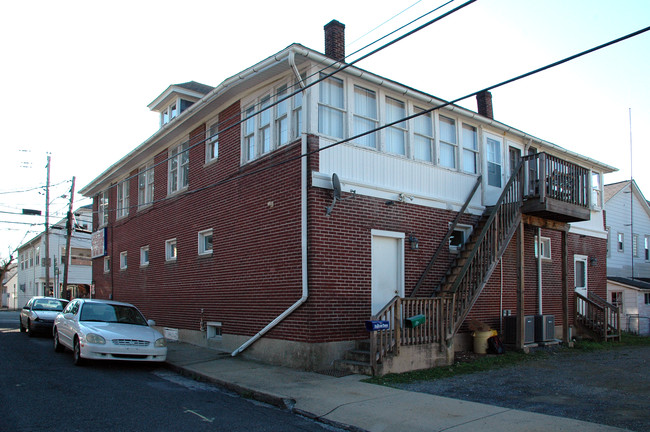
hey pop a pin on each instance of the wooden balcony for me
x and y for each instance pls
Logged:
(556, 189)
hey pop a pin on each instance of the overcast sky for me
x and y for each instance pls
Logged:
(78, 75)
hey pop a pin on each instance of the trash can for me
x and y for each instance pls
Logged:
(480, 341)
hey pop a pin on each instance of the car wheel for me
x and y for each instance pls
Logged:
(76, 353)
(22, 327)
(30, 332)
(57, 345)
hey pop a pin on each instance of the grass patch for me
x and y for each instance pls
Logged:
(489, 362)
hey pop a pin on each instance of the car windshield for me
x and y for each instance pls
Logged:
(112, 313)
(48, 305)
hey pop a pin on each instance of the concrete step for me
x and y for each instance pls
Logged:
(356, 367)
(357, 355)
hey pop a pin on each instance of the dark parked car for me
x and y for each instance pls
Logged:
(39, 313)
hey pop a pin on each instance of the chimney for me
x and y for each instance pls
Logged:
(484, 102)
(335, 40)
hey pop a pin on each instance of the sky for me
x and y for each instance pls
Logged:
(78, 75)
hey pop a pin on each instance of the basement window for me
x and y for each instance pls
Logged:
(213, 330)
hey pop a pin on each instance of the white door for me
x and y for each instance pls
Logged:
(493, 172)
(387, 268)
(580, 279)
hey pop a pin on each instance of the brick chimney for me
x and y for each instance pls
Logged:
(484, 102)
(335, 40)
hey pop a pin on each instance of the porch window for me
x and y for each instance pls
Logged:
(423, 136)
(364, 118)
(281, 117)
(249, 134)
(265, 125)
(330, 108)
(494, 162)
(448, 142)
(396, 134)
(470, 149)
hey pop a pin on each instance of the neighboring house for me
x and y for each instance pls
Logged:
(10, 288)
(31, 263)
(628, 254)
(263, 233)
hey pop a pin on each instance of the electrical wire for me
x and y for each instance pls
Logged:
(385, 22)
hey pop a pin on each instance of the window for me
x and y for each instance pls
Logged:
(265, 125)
(282, 117)
(144, 256)
(179, 166)
(609, 239)
(145, 186)
(448, 142)
(494, 162)
(546, 248)
(37, 255)
(330, 108)
(169, 113)
(102, 208)
(595, 189)
(470, 149)
(396, 134)
(617, 298)
(123, 260)
(635, 245)
(249, 134)
(365, 116)
(31, 258)
(423, 136)
(212, 143)
(458, 237)
(581, 273)
(123, 199)
(620, 237)
(647, 298)
(205, 242)
(107, 264)
(297, 114)
(646, 248)
(171, 253)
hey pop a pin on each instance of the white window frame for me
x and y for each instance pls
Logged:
(495, 160)
(469, 152)
(546, 248)
(171, 250)
(453, 145)
(107, 264)
(102, 208)
(620, 242)
(122, 199)
(635, 245)
(144, 256)
(212, 142)
(145, 186)
(124, 260)
(178, 168)
(281, 120)
(363, 121)
(202, 236)
(170, 112)
(423, 131)
(327, 110)
(466, 231)
(399, 130)
(584, 259)
(646, 248)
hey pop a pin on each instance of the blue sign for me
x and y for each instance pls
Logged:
(377, 325)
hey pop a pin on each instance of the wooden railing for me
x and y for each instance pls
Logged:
(599, 316)
(561, 180)
(445, 241)
(490, 245)
(389, 341)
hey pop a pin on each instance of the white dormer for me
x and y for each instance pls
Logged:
(177, 98)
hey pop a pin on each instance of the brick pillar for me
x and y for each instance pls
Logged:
(484, 102)
(335, 40)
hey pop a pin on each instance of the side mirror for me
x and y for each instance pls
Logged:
(68, 316)
(151, 323)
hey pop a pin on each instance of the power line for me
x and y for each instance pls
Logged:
(385, 22)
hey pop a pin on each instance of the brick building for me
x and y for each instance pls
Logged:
(249, 222)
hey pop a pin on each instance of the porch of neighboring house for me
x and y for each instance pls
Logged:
(417, 332)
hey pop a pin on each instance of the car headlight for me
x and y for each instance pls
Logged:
(160, 343)
(95, 339)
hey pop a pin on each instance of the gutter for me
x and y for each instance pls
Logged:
(303, 240)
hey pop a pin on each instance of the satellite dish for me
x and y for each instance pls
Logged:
(336, 184)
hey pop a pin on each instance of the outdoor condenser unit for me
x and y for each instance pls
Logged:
(544, 328)
(511, 329)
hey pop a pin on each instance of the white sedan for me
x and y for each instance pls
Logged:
(107, 330)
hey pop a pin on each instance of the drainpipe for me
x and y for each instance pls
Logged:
(539, 271)
(303, 235)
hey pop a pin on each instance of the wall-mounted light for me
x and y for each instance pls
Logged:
(593, 261)
(413, 240)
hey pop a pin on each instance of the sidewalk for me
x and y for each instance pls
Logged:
(350, 404)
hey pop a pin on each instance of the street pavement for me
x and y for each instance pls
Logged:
(348, 403)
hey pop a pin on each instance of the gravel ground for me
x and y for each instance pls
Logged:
(610, 387)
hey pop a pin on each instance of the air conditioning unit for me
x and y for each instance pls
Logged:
(510, 333)
(544, 328)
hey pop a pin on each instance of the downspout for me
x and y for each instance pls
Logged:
(539, 271)
(303, 238)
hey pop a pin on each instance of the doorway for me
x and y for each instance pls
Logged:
(387, 268)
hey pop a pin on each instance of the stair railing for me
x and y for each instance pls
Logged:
(445, 241)
(599, 316)
(489, 247)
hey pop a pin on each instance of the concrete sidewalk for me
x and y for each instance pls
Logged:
(348, 403)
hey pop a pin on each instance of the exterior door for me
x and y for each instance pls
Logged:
(387, 268)
(580, 279)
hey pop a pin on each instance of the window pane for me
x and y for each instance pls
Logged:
(330, 122)
(494, 162)
(362, 125)
(395, 141)
(423, 124)
(470, 137)
(265, 115)
(365, 102)
(331, 92)
(447, 155)
(580, 274)
(469, 161)
(422, 148)
(448, 130)
(395, 110)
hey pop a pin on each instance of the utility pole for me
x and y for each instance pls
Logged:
(47, 231)
(68, 225)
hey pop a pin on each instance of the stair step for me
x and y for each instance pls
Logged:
(357, 355)
(353, 366)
